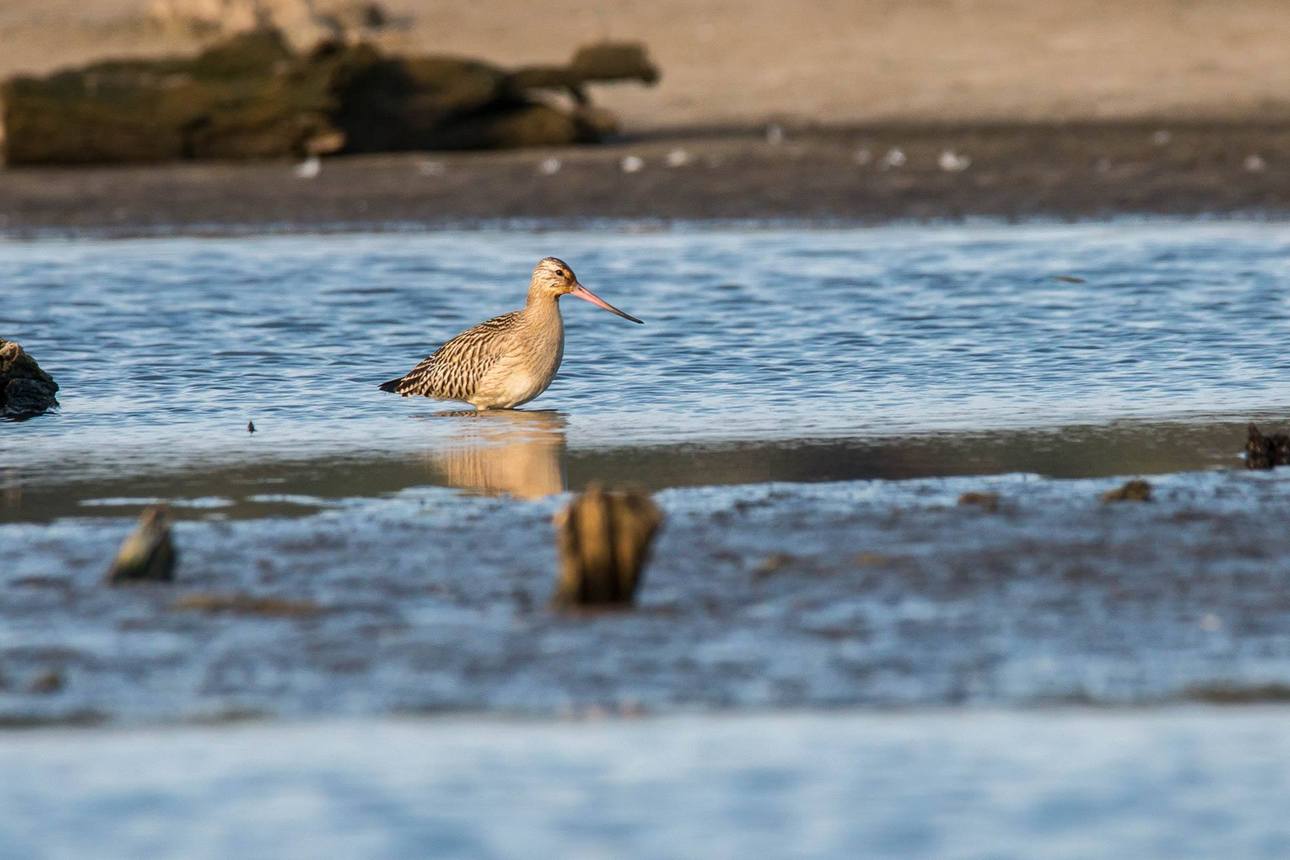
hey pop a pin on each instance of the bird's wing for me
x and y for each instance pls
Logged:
(454, 370)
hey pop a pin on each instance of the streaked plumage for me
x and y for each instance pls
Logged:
(506, 361)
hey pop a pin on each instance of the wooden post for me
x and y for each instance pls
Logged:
(147, 555)
(604, 538)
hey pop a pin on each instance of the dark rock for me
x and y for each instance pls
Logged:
(1136, 490)
(1265, 452)
(604, 538)
(148, 554)
(25, 389)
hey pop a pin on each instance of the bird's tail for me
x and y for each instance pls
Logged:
(392, 385)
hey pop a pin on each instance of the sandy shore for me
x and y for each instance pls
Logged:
(865, 174)
(834, 61)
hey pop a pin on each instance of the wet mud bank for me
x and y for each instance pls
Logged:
(873, 593)
(871, 174)
(530, 455)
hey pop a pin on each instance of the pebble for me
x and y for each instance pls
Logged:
(893, 158)
(309, 168)
(951, 162)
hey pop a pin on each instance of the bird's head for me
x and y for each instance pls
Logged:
(553, 278)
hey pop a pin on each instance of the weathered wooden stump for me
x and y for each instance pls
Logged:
(147, 555)
(604, 538)
(25, 389)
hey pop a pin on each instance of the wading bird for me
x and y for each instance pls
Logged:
(508, 360)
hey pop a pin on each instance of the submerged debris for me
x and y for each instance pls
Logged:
(147, 555)
(984, 501)
(772, 564)
(604, 537)
(1264, 452)
(46, 683)
(25, 389)
(1136, 490)
(246, 604)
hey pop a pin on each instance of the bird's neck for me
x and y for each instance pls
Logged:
(542, 307)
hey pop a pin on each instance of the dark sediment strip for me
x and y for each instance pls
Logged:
(1006, 171)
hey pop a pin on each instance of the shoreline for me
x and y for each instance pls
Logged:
(844, 175)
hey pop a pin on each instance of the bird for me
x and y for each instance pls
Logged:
(506, 361)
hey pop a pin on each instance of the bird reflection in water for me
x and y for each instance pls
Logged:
(506, 452)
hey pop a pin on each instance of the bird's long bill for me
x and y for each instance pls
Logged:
(587, 295)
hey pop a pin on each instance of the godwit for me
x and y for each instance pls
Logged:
(508, 360)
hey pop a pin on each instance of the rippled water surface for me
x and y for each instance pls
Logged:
(165, 348)
(808, 405)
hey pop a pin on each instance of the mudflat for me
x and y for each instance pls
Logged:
(863, 174)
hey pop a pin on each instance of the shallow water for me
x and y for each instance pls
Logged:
(952, 785)
(808, 405)
(165, 348)
(875, 593)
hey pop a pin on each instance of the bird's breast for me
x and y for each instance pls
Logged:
(526, 371)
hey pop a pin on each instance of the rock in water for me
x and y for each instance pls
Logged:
(147, 555)
(1264, 452)
(25, 389)
(604, 539)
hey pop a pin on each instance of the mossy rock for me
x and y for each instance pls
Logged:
(251, 97)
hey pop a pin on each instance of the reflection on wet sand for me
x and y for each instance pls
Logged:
(526, 455)
(519, 453)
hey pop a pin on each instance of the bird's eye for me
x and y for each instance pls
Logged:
(562, 273)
